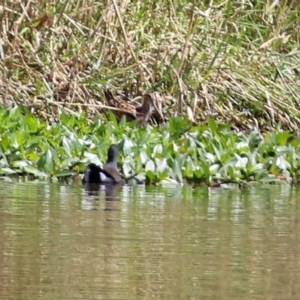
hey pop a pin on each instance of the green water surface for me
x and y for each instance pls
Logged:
(68, 242)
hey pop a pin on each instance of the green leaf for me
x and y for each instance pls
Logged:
(67, 145)
(161, 164)
(127, 146)
(7, 171)
(283, 137)
(150, 166)
(20, 164)
(34, 171)
(143, 156)
(212, 125)
(47, 162)
(295, 143)
(65, 173)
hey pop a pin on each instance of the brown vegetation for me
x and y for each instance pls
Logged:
(236, 61)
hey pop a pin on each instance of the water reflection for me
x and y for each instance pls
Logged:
(93, 242)
(94, 192)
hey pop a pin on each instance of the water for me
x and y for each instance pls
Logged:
(65, 242)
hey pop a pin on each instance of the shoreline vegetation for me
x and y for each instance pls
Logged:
(227, 73)
(176, 151)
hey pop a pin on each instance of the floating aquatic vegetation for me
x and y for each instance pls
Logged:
(178, 150)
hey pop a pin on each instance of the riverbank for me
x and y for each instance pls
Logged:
(232, 61)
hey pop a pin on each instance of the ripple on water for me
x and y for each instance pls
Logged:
(181, 242)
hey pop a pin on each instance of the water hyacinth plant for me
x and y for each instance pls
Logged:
(177, 151)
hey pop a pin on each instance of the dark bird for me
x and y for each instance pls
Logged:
(109, 173)
(151, 102)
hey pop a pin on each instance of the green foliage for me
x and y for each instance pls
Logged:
(178, 150)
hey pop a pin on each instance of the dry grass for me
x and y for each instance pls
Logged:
(237, 61)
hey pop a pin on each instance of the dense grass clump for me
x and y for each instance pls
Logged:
(236, 61)
(177, 151)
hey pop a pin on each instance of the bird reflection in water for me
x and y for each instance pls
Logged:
(110, 191)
